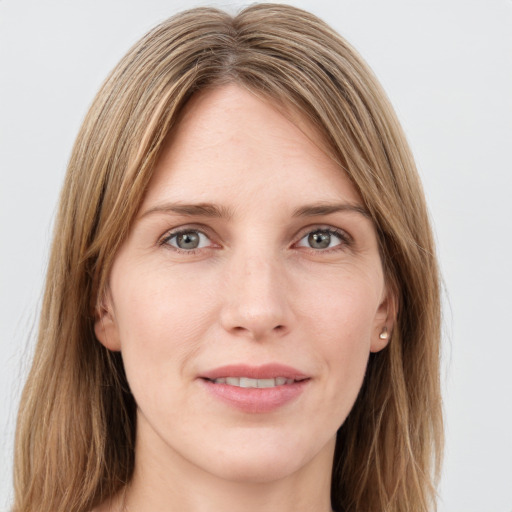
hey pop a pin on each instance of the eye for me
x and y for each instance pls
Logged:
(187, 240)
(322, 239)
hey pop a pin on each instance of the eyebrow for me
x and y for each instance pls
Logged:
(318, 209)
(216, 211)
(194, 210)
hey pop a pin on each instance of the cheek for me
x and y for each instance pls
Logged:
(341, 321)
(344, 308)
(160, 323)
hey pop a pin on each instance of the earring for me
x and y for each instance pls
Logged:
(384, 334)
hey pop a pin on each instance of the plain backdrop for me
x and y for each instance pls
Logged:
(447, 67)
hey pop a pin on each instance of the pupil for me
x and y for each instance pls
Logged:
(188, 240)
(319, 240)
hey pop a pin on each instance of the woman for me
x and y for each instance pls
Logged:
(242, 304)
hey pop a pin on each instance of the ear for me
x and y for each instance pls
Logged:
(384, 320)
(105, 325)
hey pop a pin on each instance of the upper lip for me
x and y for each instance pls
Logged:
(266, 371)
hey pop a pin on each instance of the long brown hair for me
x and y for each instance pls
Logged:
(76, 425)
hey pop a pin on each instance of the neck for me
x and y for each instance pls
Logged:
(164, 481)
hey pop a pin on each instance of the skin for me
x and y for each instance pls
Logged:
(255, 291)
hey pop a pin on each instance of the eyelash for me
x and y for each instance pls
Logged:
(173, 234)
(344, 238)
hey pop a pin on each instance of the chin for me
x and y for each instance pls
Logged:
(257, 470)
(266, 460)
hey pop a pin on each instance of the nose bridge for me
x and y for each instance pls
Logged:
(256, 302)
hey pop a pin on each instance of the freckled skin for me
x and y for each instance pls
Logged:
(254, 292)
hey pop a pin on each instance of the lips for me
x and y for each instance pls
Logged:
(266, 371)
(255, 389)
(247, 382)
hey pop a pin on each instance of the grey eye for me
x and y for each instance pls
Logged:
(321, 239)
(188, 240)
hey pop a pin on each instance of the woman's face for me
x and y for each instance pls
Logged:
(247, 297)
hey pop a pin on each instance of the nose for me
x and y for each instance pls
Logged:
(256, 301)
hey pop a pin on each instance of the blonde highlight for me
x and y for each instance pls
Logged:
(76, 425)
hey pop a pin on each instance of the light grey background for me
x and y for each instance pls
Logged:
(447, 67)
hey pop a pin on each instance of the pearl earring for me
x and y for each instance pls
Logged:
(384, 334)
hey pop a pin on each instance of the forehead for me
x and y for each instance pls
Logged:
(233, 145)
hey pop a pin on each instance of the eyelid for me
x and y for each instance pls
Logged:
(174, 232)
(345, 238)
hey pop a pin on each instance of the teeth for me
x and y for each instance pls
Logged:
(267, 383)
(246, 382)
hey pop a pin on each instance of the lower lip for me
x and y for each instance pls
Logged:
(256, 400)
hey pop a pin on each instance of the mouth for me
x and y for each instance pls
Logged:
(263, 376)
(247, 382)
(255, 389)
